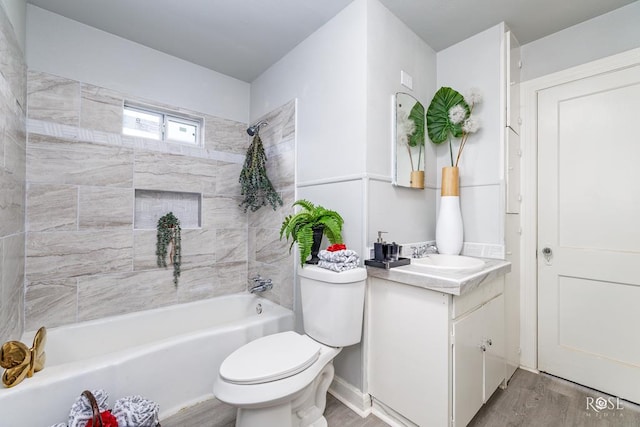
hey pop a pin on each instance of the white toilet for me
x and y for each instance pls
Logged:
(281, 380)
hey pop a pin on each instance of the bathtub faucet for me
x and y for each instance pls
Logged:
(260, 284)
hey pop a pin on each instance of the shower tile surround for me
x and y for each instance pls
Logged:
(85, 259)
(12, 181)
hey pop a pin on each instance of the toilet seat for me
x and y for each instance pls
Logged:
(263, 360)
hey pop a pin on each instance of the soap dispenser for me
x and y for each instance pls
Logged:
(379, 248)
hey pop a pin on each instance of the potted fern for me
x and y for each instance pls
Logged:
(307, 228)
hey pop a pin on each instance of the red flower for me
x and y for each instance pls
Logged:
(107, 419)
(336, 247)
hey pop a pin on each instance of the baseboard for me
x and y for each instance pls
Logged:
(526, 368)
(351, 397)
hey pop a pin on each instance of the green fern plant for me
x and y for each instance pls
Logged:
(299, 227)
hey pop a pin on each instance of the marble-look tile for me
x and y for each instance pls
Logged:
(12, 274)
(111, 294)
(52, 207)
(105, 207)
(12, 191)
(228, 175)
(222, 212)
(168, 172)
(197, 248)
(66, 254)
(230, 245)
(11, 318)
(150, 205)
(60, 161)
(50, 303)
(197, 283)
(52, 98)
(281, 274)
(269, 248)
(12, 65)
(225, 135)
(15, 158)
(101, 109)
(281, 125)
(281, 170)
(202, 282)
(12, 286)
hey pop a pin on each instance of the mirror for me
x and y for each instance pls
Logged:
(408, 146)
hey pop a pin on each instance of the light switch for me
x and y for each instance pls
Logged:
(406, 80)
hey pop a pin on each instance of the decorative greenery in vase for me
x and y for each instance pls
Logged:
(256, 186)
(450, 115)
(299, 227)
(410, 131)
(169, 235)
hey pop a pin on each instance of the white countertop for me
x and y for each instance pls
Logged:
(450, 283)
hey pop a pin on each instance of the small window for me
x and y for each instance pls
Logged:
(161, 126)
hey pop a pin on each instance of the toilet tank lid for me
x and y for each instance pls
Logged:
(324, 275)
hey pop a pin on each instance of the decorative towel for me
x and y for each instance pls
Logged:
(338, 261)
(130, 411)
(136, 411)
(81, 411)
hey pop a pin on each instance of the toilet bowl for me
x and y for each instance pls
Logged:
(281, 380)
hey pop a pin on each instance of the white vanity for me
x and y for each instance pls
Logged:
(436, 341)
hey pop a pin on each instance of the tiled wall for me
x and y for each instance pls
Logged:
(268, 255)
(12, 186)
(84, 259)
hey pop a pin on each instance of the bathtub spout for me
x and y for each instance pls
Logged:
(260, 285)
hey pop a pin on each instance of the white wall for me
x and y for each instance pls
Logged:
(16, 11)
(327, 75)
(408, 215)
(344, 76)
(477, 62)
(605, 35)
(66, 48)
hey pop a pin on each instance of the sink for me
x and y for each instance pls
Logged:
(447, 263)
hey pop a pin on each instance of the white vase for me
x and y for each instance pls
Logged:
(449, 229)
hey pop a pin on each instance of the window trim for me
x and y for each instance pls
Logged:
(166, 116)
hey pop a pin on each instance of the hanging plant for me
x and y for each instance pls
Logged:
(256, 187)
(169, 235)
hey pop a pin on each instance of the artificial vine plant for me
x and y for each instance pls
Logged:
(169, 235)
(256, 187)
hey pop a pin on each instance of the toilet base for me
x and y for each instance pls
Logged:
(305, 409)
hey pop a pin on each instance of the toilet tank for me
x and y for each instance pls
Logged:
(332, 304)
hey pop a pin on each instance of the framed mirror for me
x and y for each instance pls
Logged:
(408, 145)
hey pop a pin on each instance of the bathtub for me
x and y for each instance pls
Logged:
(170, 355)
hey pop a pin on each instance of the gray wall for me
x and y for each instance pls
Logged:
(84, 257)
(605, 35)
(12, 186)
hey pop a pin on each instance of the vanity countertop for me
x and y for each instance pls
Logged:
(450, 283)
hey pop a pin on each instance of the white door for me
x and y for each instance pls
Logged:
(589, 228)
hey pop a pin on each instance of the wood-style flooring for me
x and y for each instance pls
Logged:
(531, 400)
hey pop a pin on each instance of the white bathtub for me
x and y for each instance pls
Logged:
(170, 355)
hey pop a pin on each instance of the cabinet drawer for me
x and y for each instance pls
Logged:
(465, 303)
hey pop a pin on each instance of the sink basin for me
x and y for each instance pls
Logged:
(447, 263)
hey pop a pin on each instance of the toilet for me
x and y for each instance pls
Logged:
(281, 380)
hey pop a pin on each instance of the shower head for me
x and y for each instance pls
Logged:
(254, 129)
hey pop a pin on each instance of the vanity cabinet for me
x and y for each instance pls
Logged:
(478, 358)
(434, 358)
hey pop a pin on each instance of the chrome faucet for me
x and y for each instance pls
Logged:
(423, 250)
(260, 284)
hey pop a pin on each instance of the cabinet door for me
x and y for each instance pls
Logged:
(467, 366)
(494, 356)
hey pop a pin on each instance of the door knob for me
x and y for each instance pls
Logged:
(547, 253)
